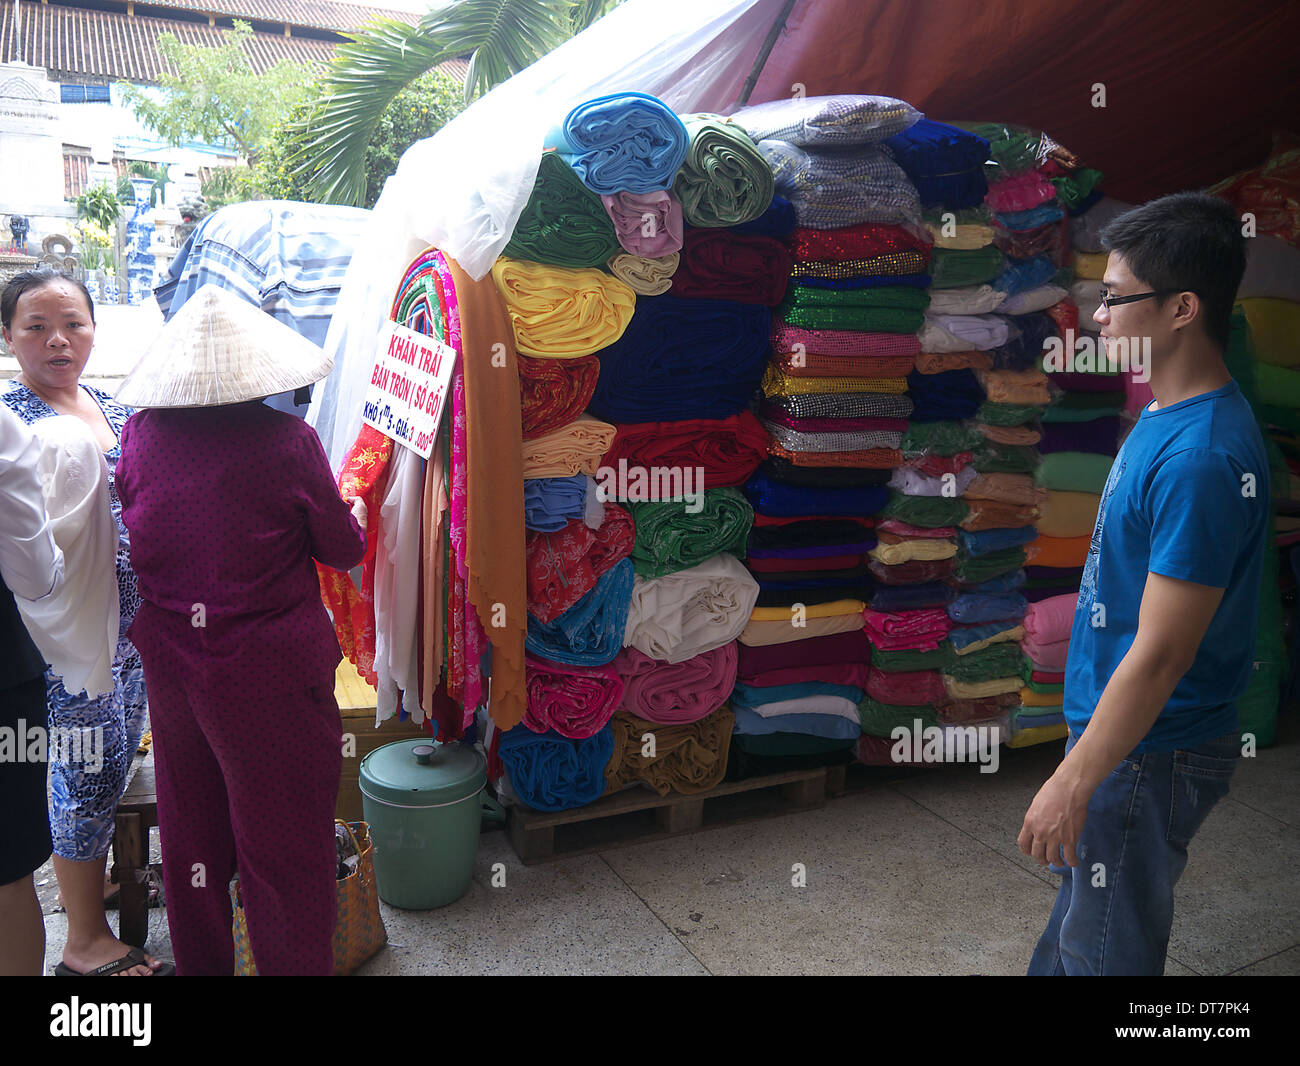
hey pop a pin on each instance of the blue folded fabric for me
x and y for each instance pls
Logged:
(590, 633)
(987, 541)
(788, 501)
(946, 164)
(777, 221)
(623, 142)
(831, 726)
(964, 636)
(1034, 217)
(757, 695)
(1025, 349)
(683, 359)
(550, 503)
(975, 607)
(1029, 721)
(550, 772)
(865, 281)
(1021, 275)
(911, 597)
(996, 586)
(948, 396)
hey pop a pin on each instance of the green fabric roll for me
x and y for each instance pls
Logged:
(669, 538)
(1007, 414)
(975, 568)
(997, 660)
(940, 438)
(1078, 414)
(1074, 471)
(1007, 459)
(928, 511)
(772, 744)
(1072, 189)
(724, 180)
(879, 719)
(913, 658)
(564, 223)
(952, 268)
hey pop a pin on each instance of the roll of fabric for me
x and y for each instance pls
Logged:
(772, 700)
(774, 498)
(723, 265)
(1051, 620)
(573, 449)
(777, 221)
(554, 392)
(590, 633)
(723, 180)
(964, 712)
(551, 772)
(550, 503)
(797, 340)
(952, 268)
(574, 701)
(832, 189)
(776, 382)
(864, 241)
(670, 538)
(688, 758)
(850, 646)
(728, 450)
(1072, 471)
(761, 634)
(683, 614)
(676, 693)
(623, 142)
(647, 225)
(835, 121)
(564, 566)
(559, 313)
(906, 629)
(905, 687)
(682, 359)
(837, 406)
(645, 277)
(564, 223)
(803, 712)
(1068, 514)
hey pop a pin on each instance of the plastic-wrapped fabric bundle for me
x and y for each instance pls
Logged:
(680, 615)
(993, 540)
(925, 510)
(648, 225)
(572, 449)
(941, 437)
(978, 568)
(1026, 347)
(590, 633)
(954, 268)
(891, 297)
(1069, 514)
(1017, 435)
(1020, 275)
(676, 693)
(688, 758)
(973, 608)
(894, 630)
(1020, 192)
(774, 498)
(550, 772)
(945, 332)
(1033, 219)
(723, 180)
(558, 313)
(574, 701)
(838, 121)
(905, 686)
(913, 482)
(909, 659)
(728, 450)
(564, 566)
(880, 719)
(681, 359)
(795, 340)
(564, 223)
(994, 514)
(645, 277)
(970, 228)
(718, 264)
(995, 461)
(623, 142)
(669, 538)
(894, 549)
(550, 503)
(835, 188)
(901, 582)
(554, 392)
(968, 639)
(946, 164)
(1039, 299)
(857, 458)
(967, 300)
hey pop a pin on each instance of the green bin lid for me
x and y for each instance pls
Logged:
(423, 773)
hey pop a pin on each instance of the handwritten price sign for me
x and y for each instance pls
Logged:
(408, 387)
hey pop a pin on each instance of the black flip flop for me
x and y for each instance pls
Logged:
(134, 957)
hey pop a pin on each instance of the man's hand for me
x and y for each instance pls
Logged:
(1054, 822)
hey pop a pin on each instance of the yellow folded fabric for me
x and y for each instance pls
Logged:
(1015, 633)
(759, 634)
(1068, 514)
(966, 236)
(1090, 266)
(573, 449)
(562, 313)
(1038, 734)
(975, 690)
(778, 383)
(1030, 698)
(1006, 488)
(645, 277)
(809, 610)
(1021, 387)
(1275, 330)
(913, 548)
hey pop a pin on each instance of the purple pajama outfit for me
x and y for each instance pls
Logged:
(227, 507)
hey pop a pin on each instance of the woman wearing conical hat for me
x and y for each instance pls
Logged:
(228, 502)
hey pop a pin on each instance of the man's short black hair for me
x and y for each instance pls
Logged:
(1185, 242)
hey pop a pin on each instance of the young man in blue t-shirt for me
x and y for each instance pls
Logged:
(1164, 632)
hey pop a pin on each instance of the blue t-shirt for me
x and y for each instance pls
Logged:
(1178, 502)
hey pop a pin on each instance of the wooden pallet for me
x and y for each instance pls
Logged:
(637, 815)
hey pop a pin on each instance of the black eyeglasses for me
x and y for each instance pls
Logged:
(1108, 301)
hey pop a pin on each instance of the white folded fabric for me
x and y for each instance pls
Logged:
(681, 615)
(1038, 299)
(820, 703)
(912, 482)
(961, 333)
(968, 300)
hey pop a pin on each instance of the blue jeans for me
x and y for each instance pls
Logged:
(1115, 909)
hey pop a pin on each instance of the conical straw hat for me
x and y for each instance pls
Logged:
(217, 350)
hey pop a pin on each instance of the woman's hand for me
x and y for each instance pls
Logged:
(359, 511)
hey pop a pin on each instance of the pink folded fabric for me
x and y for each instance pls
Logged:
(1020, 193)
(854, 674)
(575, 701)
(842, 341)
(1051, 620)
(1047, 655)
(647, 224)
(910, 688)
(922, 630)
(676, 693)
(905, 529)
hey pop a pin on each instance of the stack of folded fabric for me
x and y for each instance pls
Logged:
(1045, 645)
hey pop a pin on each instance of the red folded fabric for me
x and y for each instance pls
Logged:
(1048, 677)
(785, 520)
(893, 631)
(575, 701)
(833, 425)
(854, 674)
(717, 264)
(897, 527)
(862, 241)
(908, 688)
(1065, 313)
(1052, 239)
(825, 562)
(728, 449)
(563, 566)
(554, 392)
(913, 572)
(677, 693)
(851, 647)
(938, 465)
(804, 364)
(958, 712)
(842, 342)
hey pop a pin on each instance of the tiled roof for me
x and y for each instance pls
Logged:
(325, 14)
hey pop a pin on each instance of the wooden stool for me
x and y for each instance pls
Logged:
(137, 813)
